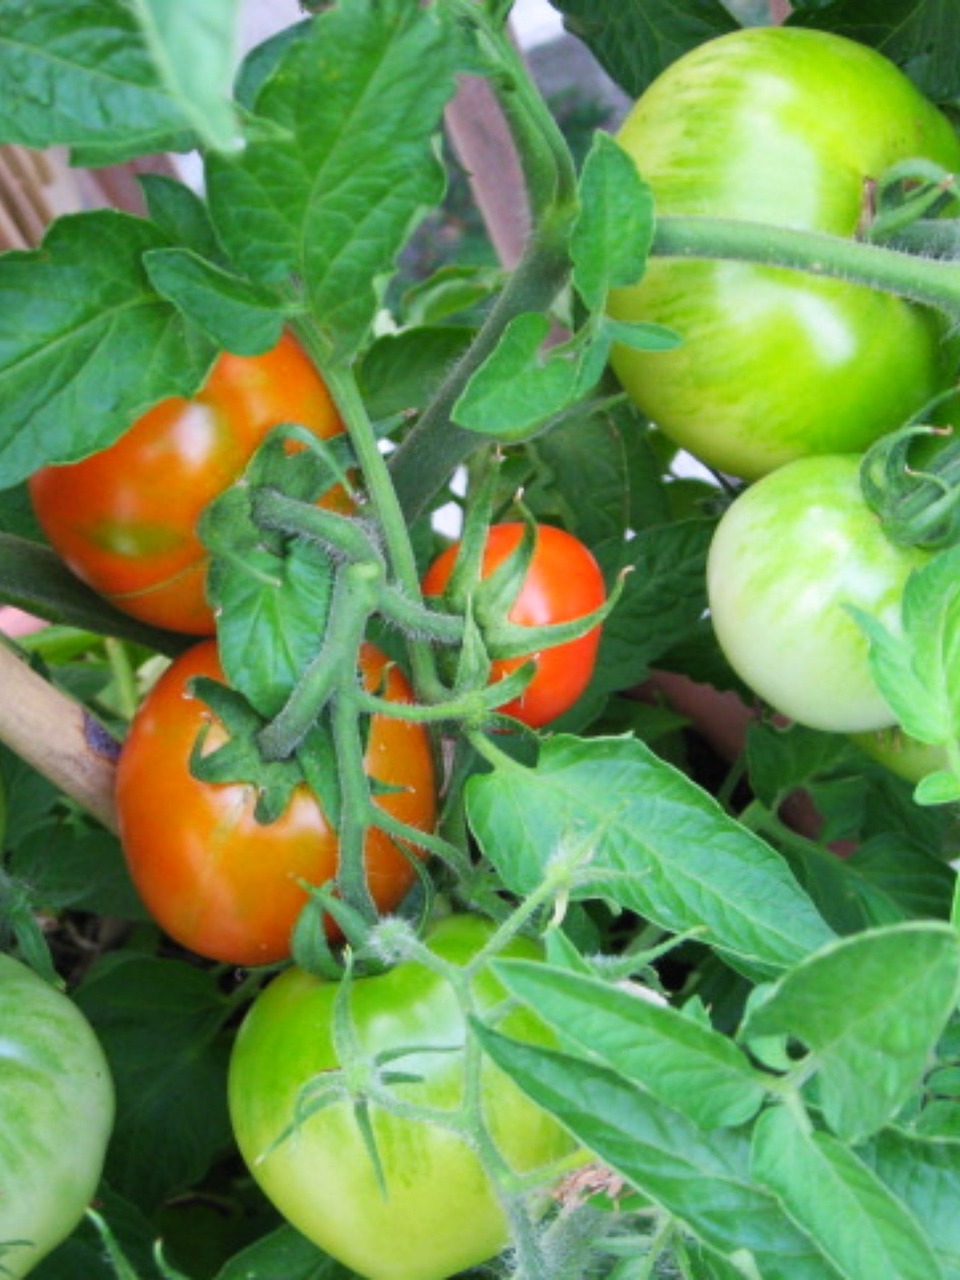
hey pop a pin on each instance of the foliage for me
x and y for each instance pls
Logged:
(747, 995)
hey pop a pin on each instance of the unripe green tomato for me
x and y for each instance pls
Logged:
(788, 556)
(901, 754)
(788, 127)
(440, 1215)
(56, 1115)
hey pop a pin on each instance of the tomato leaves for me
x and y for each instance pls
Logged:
(78, 314)
(329, 190)
(630, 828)
(635, 39)
(917, 671)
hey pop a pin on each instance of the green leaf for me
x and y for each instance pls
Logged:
(84, 76)
(614, 229)
(88, 872)
(86, 345)
(923, 37)
(192, 47)
(283, 1254)
(857, 1222)
(180, 214)
(330, 196)
(402, 371)
(159, 1023)
(780, 760)
(234, 314)
(683, 1064)
(924, 1174)
(701, 1179)
(516, 389)
(870, 1009)
(648, 838)
(634, 40)
(663, 598)
(586, 454)
(918, 672)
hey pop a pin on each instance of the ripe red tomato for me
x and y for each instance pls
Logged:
(215, 879)
(563, 582)
(125, 518)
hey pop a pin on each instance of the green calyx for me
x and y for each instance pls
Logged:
(917, 505)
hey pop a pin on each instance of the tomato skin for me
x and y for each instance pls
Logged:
(776, 364)
(215, 879)
(787, 556)
(441, 1216)
(57, 1103)
(563, 582)
(125, 519)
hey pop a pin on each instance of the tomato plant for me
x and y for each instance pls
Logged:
(677, 979)
(775, 365)
(214, 877)
(438, 1212)
(57, 1102)
(563, 582)
(125, 519)
(788, 558)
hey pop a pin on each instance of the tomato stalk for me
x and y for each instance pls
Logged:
(922, 280)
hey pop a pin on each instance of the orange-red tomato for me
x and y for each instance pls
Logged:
(563, 582)
(216, 880)
(125, 519)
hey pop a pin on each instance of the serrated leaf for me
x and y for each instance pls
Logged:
(614, 229)
(634, 40)
(701, 1179)
(857, 1221)
(236, 315)
(86, 345)
(192, 48)
(651, 840)
(180, 214)
(870, 1009)
(684, 1064)
(84, 76)
(330, 197)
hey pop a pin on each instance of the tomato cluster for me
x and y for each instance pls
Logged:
(782, 377)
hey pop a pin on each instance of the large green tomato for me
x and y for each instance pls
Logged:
(784, 126)
(440, 1214)
(56, 1115)
(787, 557)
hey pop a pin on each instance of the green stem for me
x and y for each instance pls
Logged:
(332, 669)
(429, 455)
(923, 280)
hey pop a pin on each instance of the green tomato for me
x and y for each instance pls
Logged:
(440, 1214)
(788, 556)
(56, 1100)
(784, 126)
(905, 756)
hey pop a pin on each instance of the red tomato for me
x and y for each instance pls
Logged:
(563, 582)
(215, 879)
(125, 518)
